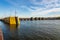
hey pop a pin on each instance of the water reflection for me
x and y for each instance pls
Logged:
(13, 33)
(33, 30)
(13, 27)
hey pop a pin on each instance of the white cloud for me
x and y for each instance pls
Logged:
(27, 8)
(47, 3)
(42, 1)
(49, 6)
(17, 4)
(39, 13)
(55, 15)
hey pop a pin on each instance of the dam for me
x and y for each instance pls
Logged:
(11, 20)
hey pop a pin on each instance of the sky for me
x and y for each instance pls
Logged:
(30, 8)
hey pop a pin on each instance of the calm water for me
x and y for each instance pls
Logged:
(32, 30)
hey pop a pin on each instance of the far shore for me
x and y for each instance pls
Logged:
(41, 18)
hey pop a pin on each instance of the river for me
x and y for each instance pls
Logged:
(32, 30)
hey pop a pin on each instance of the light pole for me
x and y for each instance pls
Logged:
(15, 13)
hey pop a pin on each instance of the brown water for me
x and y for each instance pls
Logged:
(32, 30)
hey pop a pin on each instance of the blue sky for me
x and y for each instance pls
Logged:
(30, 8)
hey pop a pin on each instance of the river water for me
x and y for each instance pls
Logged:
(32, 30)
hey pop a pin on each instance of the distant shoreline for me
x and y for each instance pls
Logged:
(41, 18)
